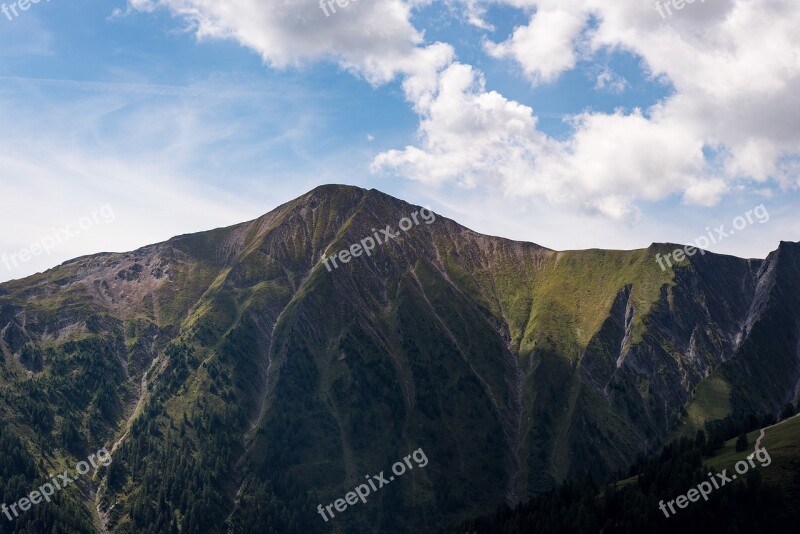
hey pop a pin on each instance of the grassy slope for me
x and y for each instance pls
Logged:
(581, 286)
(782, 442)
(710, 401)
(569, 298)
(783, 445)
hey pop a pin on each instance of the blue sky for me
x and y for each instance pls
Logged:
(566, 124)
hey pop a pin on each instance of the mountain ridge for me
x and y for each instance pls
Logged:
(564, 362)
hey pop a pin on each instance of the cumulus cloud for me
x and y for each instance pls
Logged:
(468, 134)
(735, 69)
(734, 66)
(475, 137)
(373, 39)
(546, 47)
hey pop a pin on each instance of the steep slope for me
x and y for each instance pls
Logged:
(242, 380)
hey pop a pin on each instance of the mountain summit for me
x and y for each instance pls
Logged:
(240, 380)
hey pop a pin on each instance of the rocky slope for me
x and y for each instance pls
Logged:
(242, 383)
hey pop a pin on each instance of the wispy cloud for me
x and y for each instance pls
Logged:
(162, 156)
(137, 88)
(610, 81)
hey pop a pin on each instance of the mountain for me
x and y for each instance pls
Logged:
(241, 377)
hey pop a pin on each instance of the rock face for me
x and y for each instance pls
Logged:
(275, 384)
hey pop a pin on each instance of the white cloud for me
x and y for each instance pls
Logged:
(373, 39)
(475, 137)
(610, 81)
(467, 133)
(546, 47)
(152, 153)
(474, 12)
(735, 68)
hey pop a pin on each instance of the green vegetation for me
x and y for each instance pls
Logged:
(711, 401)
(240, 384)
(19, 476)
(761, 501)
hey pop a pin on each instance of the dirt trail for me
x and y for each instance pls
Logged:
(763, 433)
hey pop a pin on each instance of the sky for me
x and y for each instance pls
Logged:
(568, 123)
